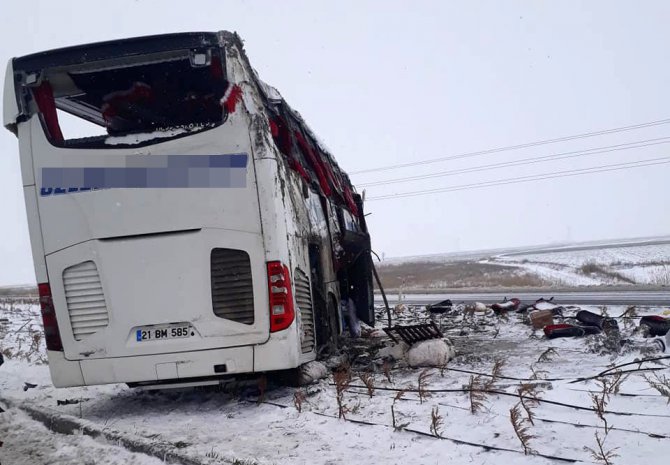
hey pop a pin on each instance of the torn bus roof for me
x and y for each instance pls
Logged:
(164, 83)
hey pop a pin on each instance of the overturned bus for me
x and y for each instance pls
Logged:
(193, 228)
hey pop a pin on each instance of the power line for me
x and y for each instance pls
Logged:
(515, 147)
(524, 161)
(530, 178)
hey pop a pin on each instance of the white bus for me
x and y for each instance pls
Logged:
(199, 231)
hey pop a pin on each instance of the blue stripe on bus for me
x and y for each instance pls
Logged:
(151, 171)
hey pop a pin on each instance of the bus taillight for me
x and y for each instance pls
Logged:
(51, 333)
(281, 297)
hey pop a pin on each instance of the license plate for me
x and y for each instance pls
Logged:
(155, 333)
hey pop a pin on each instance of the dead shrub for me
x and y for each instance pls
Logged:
(601, 455)
(661, 384)
(521, 429)
(477, 397)
(299, 398)
(342, 379)
(424, 378)
(369, 382)
(436, 422)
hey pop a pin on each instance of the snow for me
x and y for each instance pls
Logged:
(626, 264)
(548, 273)
(643, 262)
(628, 255)
(214, 426)
(28, 442)
(132, 139)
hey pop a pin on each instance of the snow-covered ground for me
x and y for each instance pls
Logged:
(642, 262)
(28, 442)
(632, 264)
(232, 427)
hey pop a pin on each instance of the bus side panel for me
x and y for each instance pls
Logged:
(35, 230)
(282, 349)
(30, 198)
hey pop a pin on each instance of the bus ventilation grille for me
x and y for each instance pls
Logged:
(85, 299)
(304, 300)
(232, 289)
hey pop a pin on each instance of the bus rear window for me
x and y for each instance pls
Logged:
(134, 104)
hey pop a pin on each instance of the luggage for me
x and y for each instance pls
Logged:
(541, 318)
(658, 326)
(566, 330)
(591, 319)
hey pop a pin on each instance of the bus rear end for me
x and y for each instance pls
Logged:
(146, 235)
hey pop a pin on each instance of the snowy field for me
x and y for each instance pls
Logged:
(636, 264)
(622, 264)
(455, 413)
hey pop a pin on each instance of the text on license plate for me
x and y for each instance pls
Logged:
(163, 332)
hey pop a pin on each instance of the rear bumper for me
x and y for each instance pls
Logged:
(280, 352)
(183, 365)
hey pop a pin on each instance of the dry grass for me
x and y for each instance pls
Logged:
(386, 369)
(547, 355)
(427, 275)
(526, 390)
(660, 384)
(369, 381)
(475, 394)
(396, 425)
(299, 398)
(436, 422)
(591, 268)
(521, 429)
(424, 378)
(602, 455)
(496, 373)
(342, 379)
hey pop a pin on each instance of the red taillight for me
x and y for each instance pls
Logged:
(51, 333)
(281, 297)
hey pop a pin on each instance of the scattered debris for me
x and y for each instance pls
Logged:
(400, 309)
(480, 307)
(432, 353)
(567, 330)
(70, 401)
(506, 305)
(349, 311)
(311, 372)
(336, 361)
(657, 325)
(547, 355)
(27, 386)
(414, 333)
(440, 307)
(544, 304)
(394, 352)
(591, 319)
(541, 318)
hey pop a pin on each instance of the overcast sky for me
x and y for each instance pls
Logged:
(387, 82)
